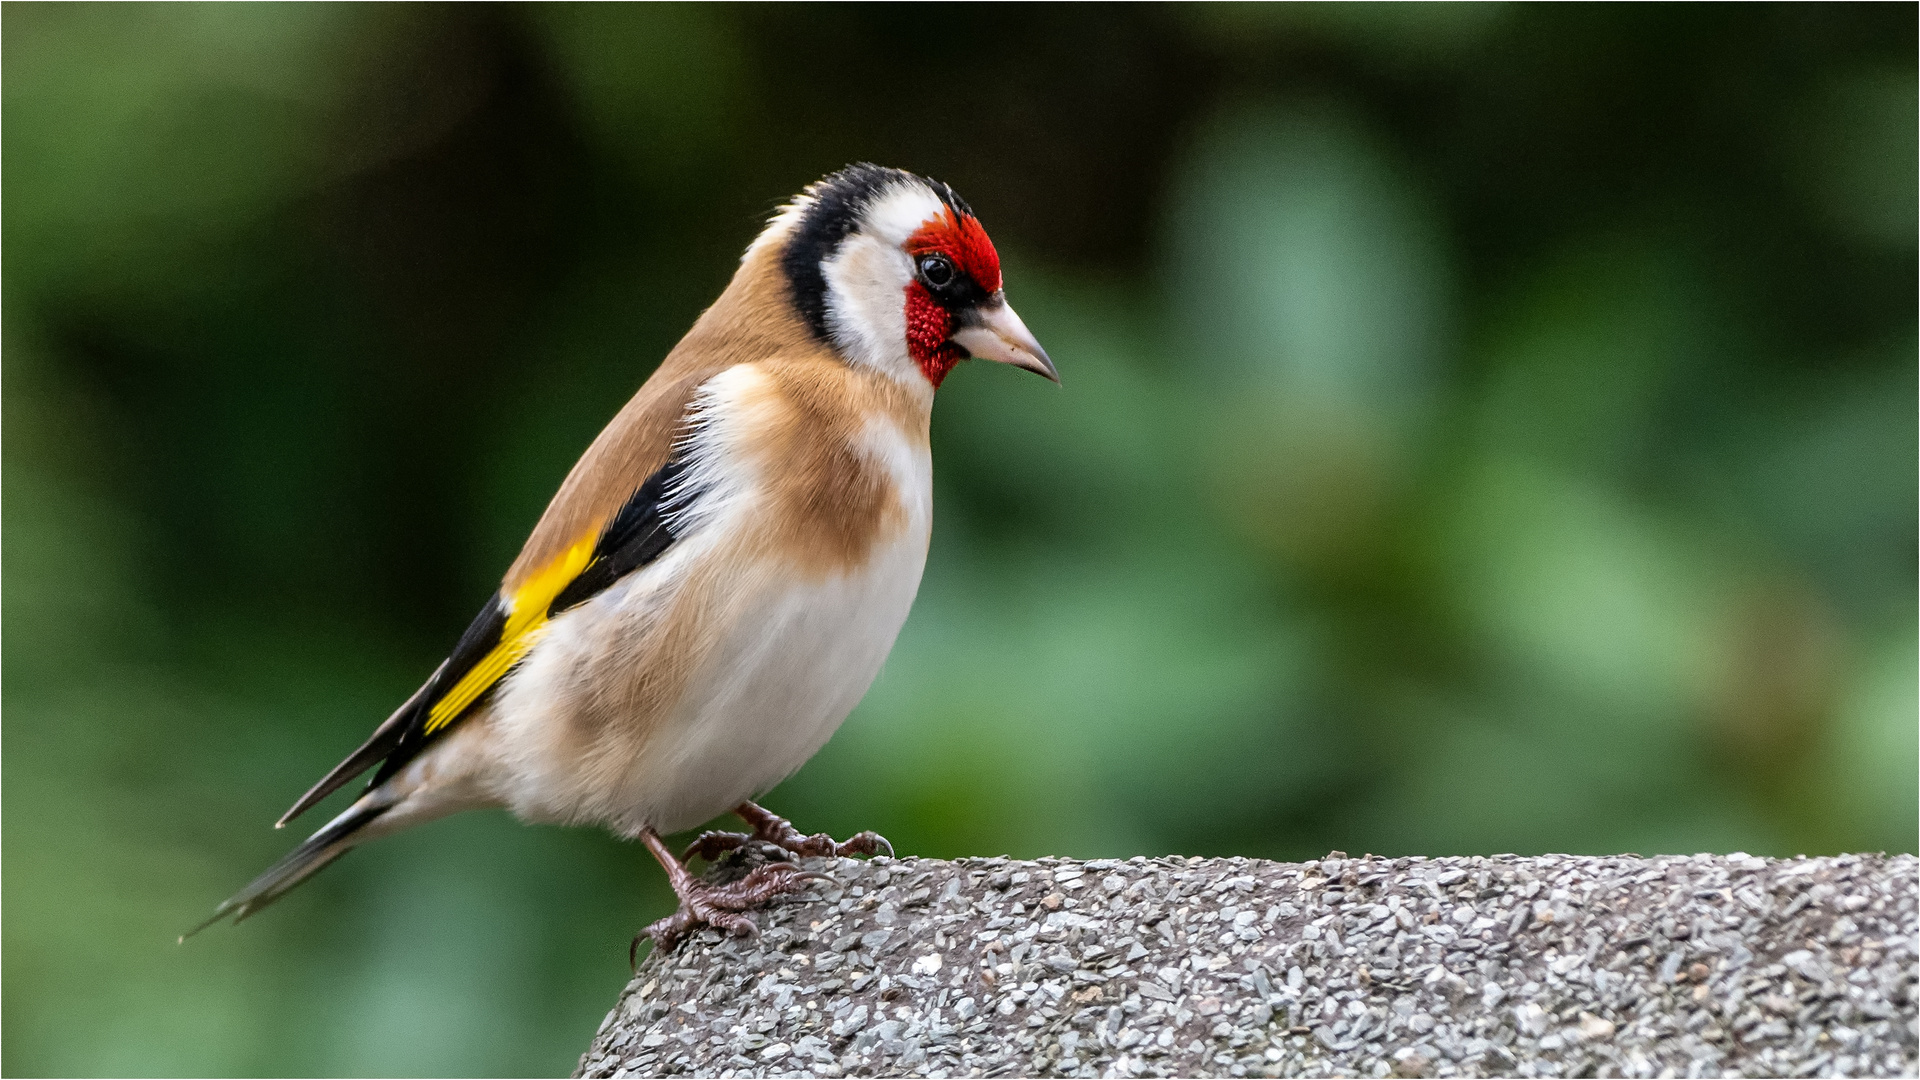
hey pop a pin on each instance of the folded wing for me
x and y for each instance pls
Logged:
(506, 628)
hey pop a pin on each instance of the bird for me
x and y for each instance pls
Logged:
(720, 576)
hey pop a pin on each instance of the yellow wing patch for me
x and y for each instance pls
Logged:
(526, 617)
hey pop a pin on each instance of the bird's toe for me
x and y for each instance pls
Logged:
(765, 883)
(711, 845)
(865, 843)
(722, 906)
(664, 933)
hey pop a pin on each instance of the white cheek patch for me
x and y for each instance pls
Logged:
(866, 302)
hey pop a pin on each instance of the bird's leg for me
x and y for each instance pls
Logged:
(771, 828)
(718, 906)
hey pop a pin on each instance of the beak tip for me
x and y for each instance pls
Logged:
(1042, 363)
(997, 334)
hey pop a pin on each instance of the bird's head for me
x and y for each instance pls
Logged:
(895, 272)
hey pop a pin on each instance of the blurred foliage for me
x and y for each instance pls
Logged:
(1485, 429)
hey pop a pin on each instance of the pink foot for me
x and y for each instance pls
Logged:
(719, 906)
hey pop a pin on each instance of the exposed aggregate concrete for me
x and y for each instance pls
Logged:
(1551, 966)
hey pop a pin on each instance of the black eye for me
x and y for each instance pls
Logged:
(936, 271)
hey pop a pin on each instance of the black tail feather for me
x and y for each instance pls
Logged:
(295, 867)
(378, 745)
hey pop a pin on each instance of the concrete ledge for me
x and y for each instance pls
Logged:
(1552, 966)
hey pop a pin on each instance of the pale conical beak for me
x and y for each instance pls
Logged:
(994, 332)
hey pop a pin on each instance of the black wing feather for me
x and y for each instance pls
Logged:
(636, 536)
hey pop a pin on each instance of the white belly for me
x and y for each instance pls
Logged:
(775, 688)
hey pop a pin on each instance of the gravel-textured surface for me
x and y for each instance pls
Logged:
(1553, 966)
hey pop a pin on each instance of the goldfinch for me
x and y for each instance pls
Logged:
(720, 576)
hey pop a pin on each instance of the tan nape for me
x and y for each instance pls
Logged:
(752, 320)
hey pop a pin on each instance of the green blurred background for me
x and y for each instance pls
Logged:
(1485, 429)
